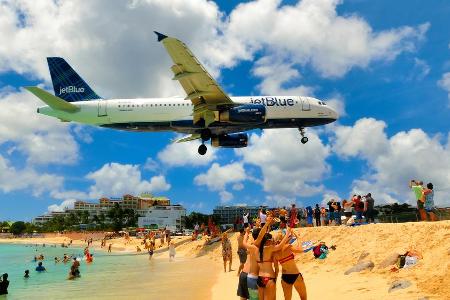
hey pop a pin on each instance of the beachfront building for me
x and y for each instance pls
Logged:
(167, 216)
(140, 204)
(230, 214)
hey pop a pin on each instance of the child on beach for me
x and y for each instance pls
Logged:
(172, 251)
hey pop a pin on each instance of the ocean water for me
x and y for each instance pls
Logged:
(110, 276)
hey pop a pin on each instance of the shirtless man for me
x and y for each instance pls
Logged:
(242, 251)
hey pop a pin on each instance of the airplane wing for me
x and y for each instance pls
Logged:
(188, 138)
(204, 92)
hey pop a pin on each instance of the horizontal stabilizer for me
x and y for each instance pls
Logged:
(51, 100)
(188, 138)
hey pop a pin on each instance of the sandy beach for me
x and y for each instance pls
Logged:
(325, 279)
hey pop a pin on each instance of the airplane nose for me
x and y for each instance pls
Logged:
(333, 114)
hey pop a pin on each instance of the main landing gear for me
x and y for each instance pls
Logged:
(304, 139)
(205, 135)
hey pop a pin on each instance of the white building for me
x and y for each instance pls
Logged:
(158, 217)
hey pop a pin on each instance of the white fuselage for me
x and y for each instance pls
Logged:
(155, 110)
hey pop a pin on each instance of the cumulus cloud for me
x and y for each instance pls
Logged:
(13, 179)
(66, 204)
(393, 161)
(289, 168)
(185, 154)
(41, 139)
(217, 176)
(119, 179)
(332, 44)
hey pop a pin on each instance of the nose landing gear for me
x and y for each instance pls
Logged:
(304, 139)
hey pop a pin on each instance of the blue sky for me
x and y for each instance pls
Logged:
(385, 65)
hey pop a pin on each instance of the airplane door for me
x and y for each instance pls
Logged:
(102, 108)
(305, 104)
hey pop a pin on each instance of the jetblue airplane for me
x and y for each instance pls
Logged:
(206, 113)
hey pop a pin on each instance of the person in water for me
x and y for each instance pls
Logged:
(40, 267)
(290, 275)
(27, 274)
(4, 283)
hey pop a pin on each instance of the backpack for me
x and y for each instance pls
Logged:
(316, 251)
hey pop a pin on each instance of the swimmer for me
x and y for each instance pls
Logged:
(40, 267)
(27, 274)
(56, 260)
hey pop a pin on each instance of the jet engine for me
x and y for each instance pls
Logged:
(235, 140)
(247, 113)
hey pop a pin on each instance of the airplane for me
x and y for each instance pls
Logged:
(206, 113)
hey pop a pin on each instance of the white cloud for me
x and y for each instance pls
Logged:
(185, 154)
(116, 179)
(225, 196)
(289, 168)
(66, 204)
(42, 139)
(317, 35)
(393, 161)
(12, 179)
(151, 165)
(217, 177)
(421, 69)
(444, 83)
(109, 51)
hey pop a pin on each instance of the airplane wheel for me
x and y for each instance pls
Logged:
(202, 149)
(304, 140)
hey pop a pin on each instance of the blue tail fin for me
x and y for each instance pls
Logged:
(67, 84)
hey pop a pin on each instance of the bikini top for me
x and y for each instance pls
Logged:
(287, 258)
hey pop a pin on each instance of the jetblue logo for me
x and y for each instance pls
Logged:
(273, 101)
(71, 89)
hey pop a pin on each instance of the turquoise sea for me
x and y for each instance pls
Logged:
(110, 276)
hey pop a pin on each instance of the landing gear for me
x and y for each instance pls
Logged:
(202, 149)
(304, 139)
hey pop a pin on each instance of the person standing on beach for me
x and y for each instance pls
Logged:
(309, 216)
(242, 251)
(242, 290)
(330, 211)
(245, 219)
(317, 215)
(417, 187)
(253, 253)
(293, 217)
(4, 283)
(172, 251)
(347, 210)
(368, 208)
(109, 248)
(428, 196)
(359, 208)
(262, 217)
(227, 252)
(283, 217)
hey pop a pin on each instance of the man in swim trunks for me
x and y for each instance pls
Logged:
(242, 251)
(242, 290)
(417, 187)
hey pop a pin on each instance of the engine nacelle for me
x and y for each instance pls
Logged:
(235, 140)
(247, 113)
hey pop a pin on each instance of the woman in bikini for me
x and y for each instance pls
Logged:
(267, 275)
(290, 275)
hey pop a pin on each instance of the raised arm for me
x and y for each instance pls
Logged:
(245, 241)
(263, 231)
(283, 241)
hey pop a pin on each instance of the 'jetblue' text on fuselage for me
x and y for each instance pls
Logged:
(273, 101)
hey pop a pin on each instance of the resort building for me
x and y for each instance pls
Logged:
(140, 204)
(229, 214)
(168, 216)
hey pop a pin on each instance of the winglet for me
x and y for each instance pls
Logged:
(52, 101)
(160, 36)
